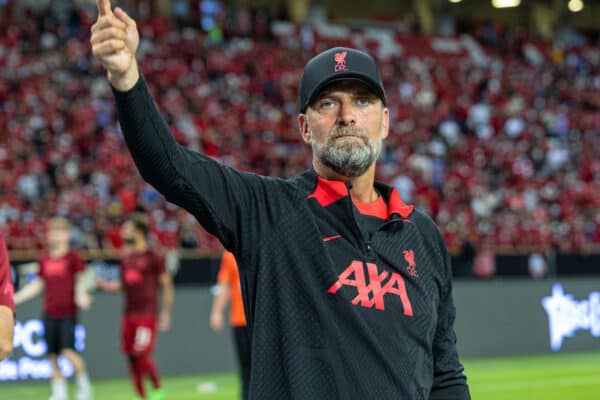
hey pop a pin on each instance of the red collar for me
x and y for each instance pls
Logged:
(329, 191)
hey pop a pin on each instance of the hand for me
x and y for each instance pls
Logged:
(83, 301)
(114, 41)
(107, 286)
(217, 322)
(164, 321)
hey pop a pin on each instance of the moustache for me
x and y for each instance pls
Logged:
(340, 131)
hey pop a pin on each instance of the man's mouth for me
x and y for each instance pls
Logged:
(348, 137)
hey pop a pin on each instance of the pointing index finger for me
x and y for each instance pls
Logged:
(103, 7)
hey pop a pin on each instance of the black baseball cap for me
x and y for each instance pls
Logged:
(336, 64)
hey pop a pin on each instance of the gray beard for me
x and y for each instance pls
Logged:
(348, 158)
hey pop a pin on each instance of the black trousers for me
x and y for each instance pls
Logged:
(242, 345)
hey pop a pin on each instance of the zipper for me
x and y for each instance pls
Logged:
(368, 244)
(369, 247)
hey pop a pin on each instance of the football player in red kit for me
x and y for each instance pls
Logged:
(143, 273)
(64, 291)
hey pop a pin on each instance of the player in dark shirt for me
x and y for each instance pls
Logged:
(7, 304)
(347, 290)
(143, 275)
(64, 292)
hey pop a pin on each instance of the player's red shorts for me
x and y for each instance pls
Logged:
(138, 334)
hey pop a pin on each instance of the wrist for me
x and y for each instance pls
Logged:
(127, 80)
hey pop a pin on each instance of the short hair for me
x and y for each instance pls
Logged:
(140, 222)
(59, 223)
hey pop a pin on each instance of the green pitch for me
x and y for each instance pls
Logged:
(555, 377)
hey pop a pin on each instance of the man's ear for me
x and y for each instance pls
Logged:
(304, 129)
(385, 123)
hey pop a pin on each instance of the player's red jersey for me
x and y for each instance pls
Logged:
(140, 273)
(6, 286)
(59, 278)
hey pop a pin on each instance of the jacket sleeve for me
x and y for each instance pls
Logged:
(234, 206)
(449, 382)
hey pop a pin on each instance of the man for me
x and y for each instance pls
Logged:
(7, 305)
(229, 291)
(143, 272)
(59, 277)
(347, 290)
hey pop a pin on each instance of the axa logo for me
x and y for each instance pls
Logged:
(340, 61)
(372, 286)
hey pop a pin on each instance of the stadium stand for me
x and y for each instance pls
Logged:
(493, 134)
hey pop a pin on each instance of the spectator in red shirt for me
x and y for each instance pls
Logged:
(143, 273)
(64, 291)
(7, 305)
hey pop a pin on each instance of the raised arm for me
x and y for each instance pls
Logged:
(229, 204)
(114, 41)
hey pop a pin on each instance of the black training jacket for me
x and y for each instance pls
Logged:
(333, 314)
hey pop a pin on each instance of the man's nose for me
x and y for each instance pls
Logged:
(346, 115)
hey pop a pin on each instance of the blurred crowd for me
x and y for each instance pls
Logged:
(498, 145)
